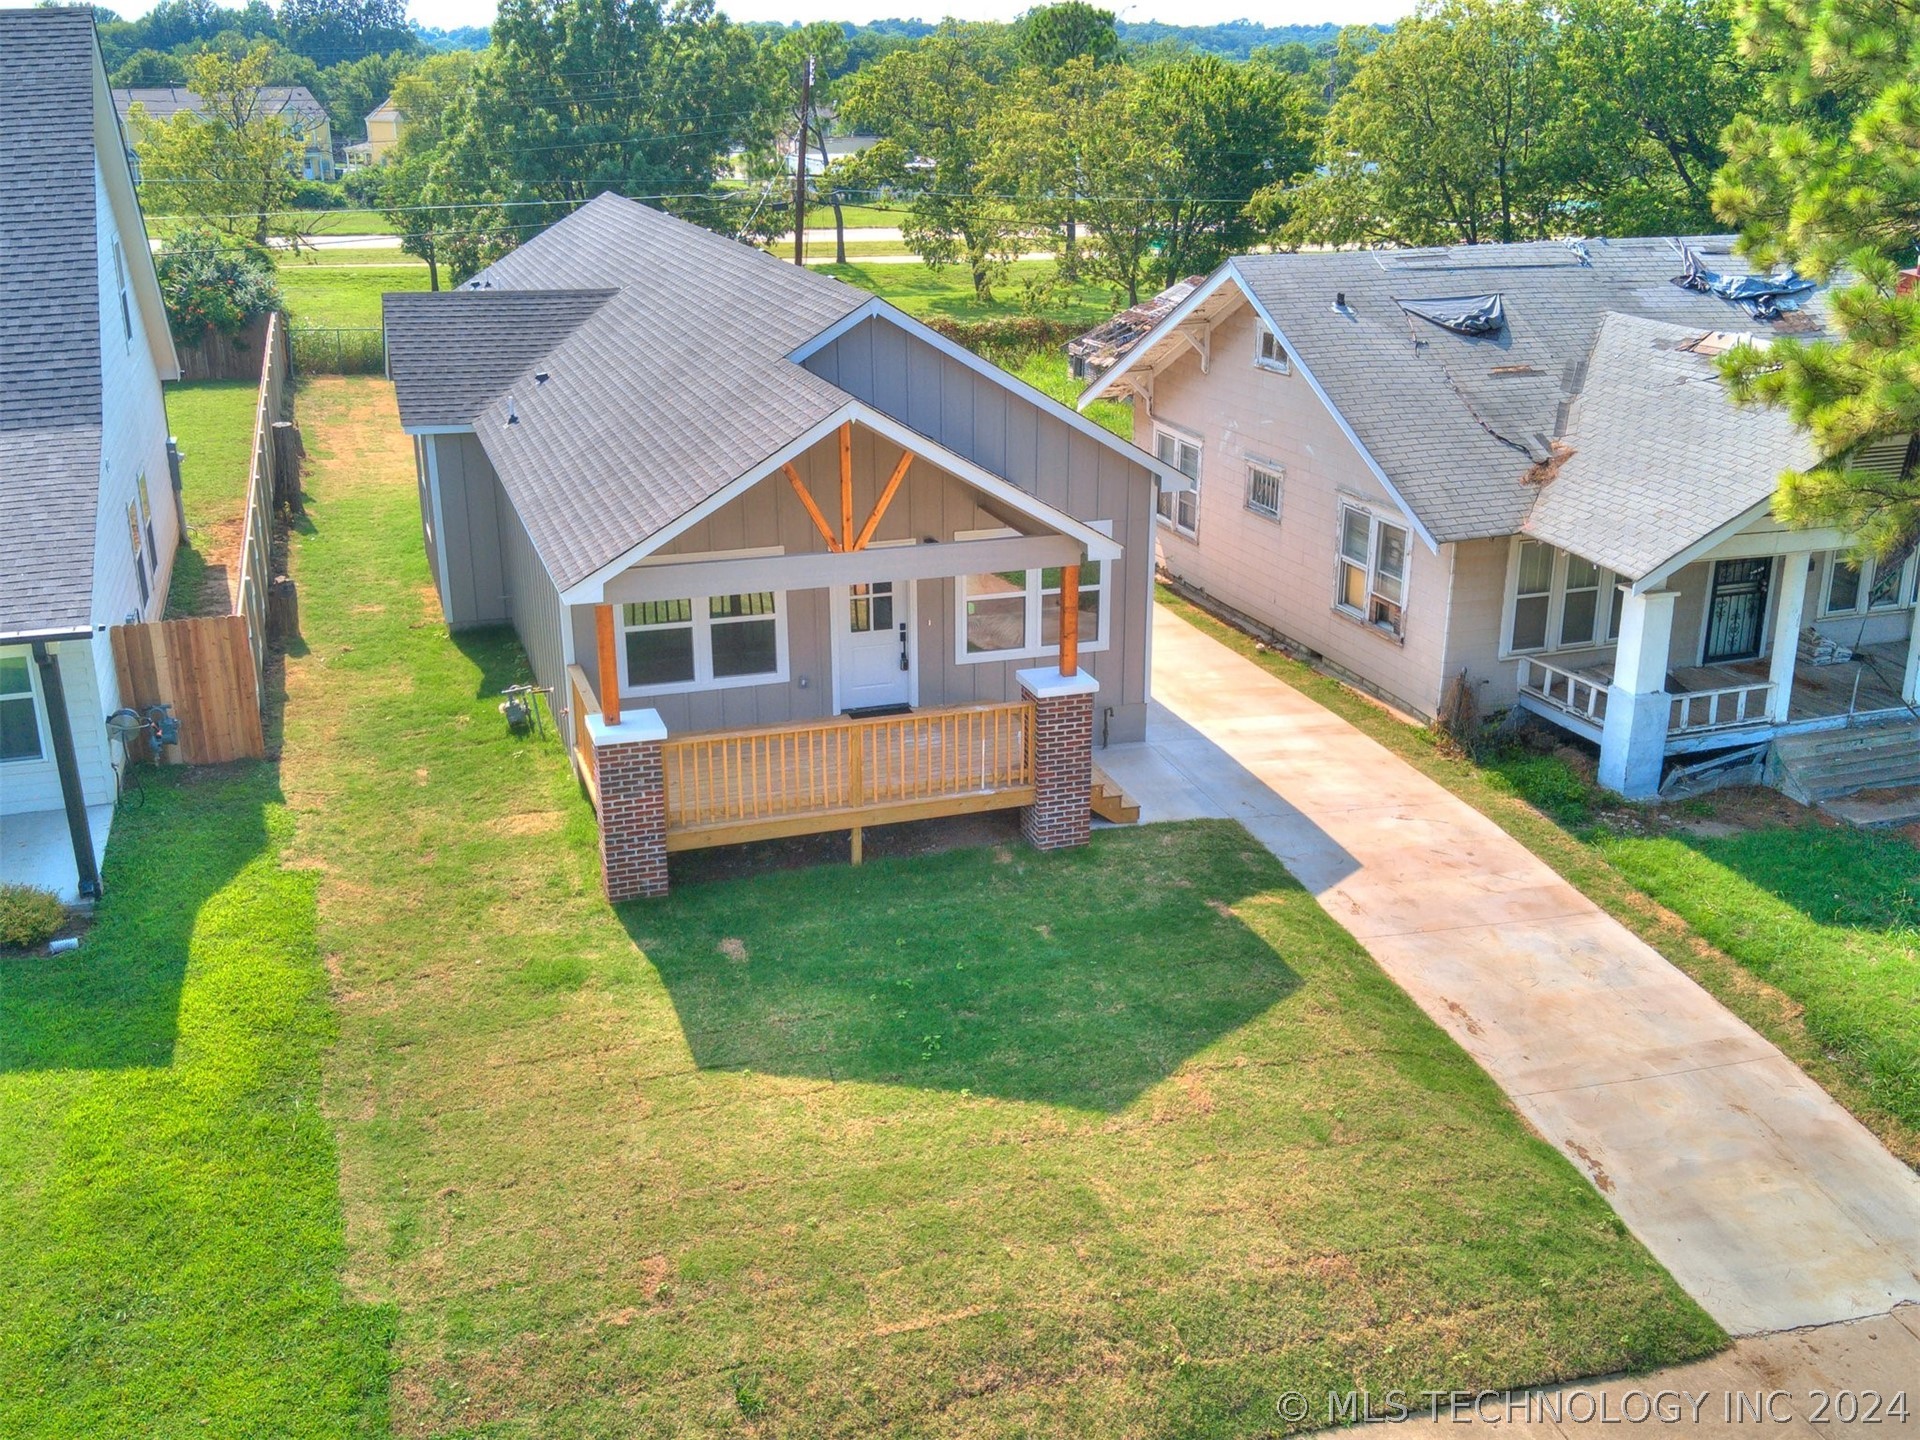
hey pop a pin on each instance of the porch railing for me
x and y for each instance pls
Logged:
(582, 702)
(1566, 690)
(1723, 709)
(730, 786)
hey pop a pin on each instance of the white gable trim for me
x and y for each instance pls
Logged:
(437, 430)
(1662, 572)
(591, 590)
(878, 309)
(1167, 333)
(110, 154)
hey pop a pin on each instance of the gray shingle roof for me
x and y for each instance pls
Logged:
(674, 386)
(1456, 421)
(1661, 455)
(49, 320)
(450, 354)
(163, 102)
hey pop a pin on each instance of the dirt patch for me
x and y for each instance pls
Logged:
(1720, 814)
(526, 822)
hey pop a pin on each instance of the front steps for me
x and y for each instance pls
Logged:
(1828, 765)
(1110, 802)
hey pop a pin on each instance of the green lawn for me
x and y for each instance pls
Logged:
(1120, 1141)
(1046, 371)
(1810, 933)
(948, 291)
(350, 222)
(213, 421)
(352, 259)
(343, 295)
(170, 1232)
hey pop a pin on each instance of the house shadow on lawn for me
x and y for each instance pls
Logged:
(1078, 979)
(114, 1004)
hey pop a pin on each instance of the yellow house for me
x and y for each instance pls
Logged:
(383, 131)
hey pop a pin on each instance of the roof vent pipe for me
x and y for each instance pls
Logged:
(513, 415)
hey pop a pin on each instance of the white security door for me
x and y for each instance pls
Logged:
(873, 646)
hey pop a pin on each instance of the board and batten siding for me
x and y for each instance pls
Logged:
(533, 605)
(1283, 573)
(994, 422)
(462, 498)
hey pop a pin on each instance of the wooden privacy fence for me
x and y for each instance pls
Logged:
(731, 786)
(204, 669)
(212, 669)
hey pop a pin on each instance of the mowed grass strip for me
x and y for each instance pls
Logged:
(1123, 1141)
(343, 296)
(213, 421)
(170, 1230)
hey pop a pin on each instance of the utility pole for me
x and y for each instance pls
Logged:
(800, 165)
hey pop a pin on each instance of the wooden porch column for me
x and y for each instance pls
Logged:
(1787, 615)
(846, 486)
(609, 664)
(1069, 619)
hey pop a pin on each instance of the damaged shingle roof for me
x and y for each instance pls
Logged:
(50, 397)
(1659, 453)
(670, 386)
(1456, 422)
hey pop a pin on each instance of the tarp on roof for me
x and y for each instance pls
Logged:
(1764, 297)
(1462, 314)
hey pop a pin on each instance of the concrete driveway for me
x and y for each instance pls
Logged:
(1767, 1201)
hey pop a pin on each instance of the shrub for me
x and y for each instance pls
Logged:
(29, 917)
(319, 195)
(1548, 783)
(211, 284)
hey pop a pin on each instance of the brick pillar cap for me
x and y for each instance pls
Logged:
(1047, 683)
(636, 727)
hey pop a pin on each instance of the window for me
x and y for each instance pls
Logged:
(1180, 508)
(146, 514)
(1534, 599)
(1883, 584)
(120, 285)
(1580, 603)
(1269, 353)
(1373, 568)
(1263, 490)
(139, 551)
(1843, 586)
(1015, 614)
(711, 640)
(19, 714)
(1889, 588)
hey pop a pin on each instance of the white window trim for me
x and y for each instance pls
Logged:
(120, 288)
(1172, 518)
(703, 678)
(1279, 474)
(1556, 605)
(1261, 333)
(1375, 519)
(41, 730)
(1869, 576)
(1099, 641)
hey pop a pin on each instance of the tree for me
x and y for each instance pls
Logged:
(824, 47)
(211, 284)
(577, 97)
(329, 32)
(353, 87)
(146, 68)
(233, 165)
(1827, 177)
(409, 187)
(1445, 135)
(1048, 36)
(934, 103)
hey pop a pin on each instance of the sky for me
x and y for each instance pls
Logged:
(451, 14)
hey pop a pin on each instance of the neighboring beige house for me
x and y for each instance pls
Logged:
(1517, 464)
(305, 116)
(788, 560)
(383, 133)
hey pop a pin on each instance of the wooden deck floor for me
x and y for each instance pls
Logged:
(1818, 690)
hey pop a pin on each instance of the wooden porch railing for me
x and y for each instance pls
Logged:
(1564, 689)
(582, 702)
(727, 787)
(1722, 709)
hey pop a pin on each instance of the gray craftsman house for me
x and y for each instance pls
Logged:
(787, 560)
(1513, 472)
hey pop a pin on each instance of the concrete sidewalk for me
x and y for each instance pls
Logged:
(1767, 1201)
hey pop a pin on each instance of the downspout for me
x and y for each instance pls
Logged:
(54, 691)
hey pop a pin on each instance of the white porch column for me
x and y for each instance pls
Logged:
(1786, 631)
(1910, 686)
(1633, 737)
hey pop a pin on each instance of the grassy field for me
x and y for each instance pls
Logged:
(213, 421)
(1046, 371)
(170, 1233)
(1807, 932)
(948, 291)
(343, 295)
(1120, 1141)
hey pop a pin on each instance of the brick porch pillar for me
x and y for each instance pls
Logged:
(633, 804)
(1061, 814)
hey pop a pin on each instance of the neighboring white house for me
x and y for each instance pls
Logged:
(1517, 464)
(89, 516)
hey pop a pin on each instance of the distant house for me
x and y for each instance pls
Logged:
(89, 518)
(1515, 468)
(306, 117)
(788, 560)
(383, 133)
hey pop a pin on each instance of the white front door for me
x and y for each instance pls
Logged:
(873, 645)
